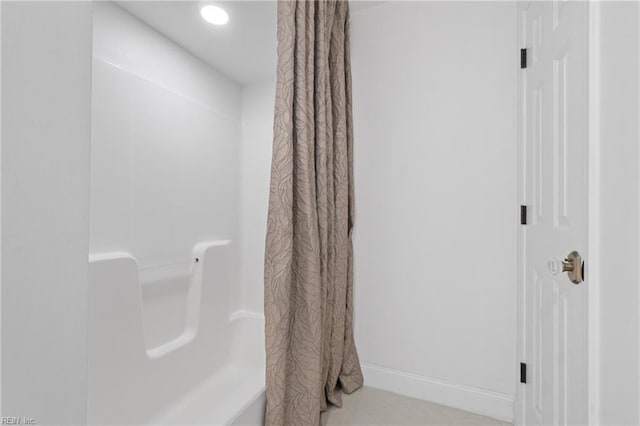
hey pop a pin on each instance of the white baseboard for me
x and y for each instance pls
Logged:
(475, 400)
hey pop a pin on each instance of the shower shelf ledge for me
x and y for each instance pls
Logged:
(160, 351)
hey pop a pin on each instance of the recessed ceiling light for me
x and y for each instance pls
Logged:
(214, 14)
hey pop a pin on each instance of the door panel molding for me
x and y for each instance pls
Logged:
(554, 165)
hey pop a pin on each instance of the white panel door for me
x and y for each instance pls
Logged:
(553, 105)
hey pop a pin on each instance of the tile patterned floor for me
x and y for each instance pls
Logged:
(370, 406)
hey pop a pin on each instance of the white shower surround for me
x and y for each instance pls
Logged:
(211, 374)
(170, 341)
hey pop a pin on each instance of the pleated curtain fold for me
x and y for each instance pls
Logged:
(311, 354)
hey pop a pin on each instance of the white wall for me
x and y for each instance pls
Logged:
(435, 102)
(0, 208)
(257, 141)
(166, 135)
(46, 89)
(616, 216)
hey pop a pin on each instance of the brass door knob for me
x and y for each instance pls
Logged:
(574, 267)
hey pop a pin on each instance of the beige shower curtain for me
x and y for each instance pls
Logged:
(311, 355)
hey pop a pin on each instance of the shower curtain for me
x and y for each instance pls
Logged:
(311, 355)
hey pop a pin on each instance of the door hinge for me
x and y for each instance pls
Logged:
(523, 58)
(523, 215)
(523, 372)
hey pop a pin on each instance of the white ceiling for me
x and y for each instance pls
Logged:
(244, 49)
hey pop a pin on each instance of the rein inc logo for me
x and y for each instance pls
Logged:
(17, 421)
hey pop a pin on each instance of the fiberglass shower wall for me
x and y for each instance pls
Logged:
(164, 222)
(180, 175)
(165, 161)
